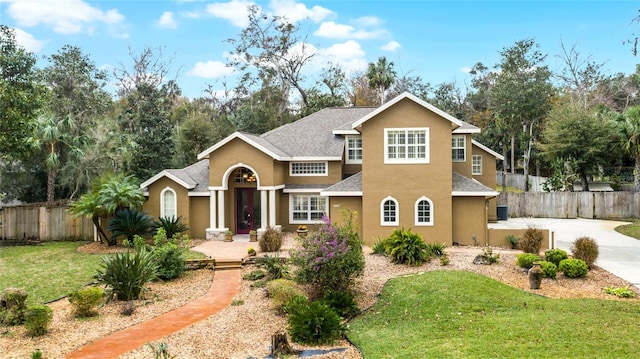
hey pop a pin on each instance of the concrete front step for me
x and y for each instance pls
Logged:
(222, 264)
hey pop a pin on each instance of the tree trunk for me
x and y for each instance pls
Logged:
(636, 173)
(513, 154)
(585, 182)
(101, 233)
(280, 345)
(51, 185)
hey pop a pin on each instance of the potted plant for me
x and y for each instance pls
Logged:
(302, 230)
(228, 236)
(251, 252)
(253, 235)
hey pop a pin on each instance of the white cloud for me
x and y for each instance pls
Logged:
(235, 11)
(27, 41)
(466, 69)
(65, 17)
(294, 12)
(391, 46)
(349, 55)
(332, 30)
(368, 21)
(167, 21)
(210, 69)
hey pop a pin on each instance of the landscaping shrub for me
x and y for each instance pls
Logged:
(271, 240)
(12, 306)
(172, 226)
(623, 292)
(85, 300)
(573, 268)
(295, 303)
(281, 291)
(329, 258)
(525, 260)
(342, 301)
(127, 274)
(169, 255)
(275, 266)
(444, 260)
(549, 269)
(379, 247)
(314, 323)
(129, 222)
(255, 275)
(37, 319)
(405, 247)
(436, 249)
(37, 354)
(531, 240)
(585, 248)
(555, 256)
(513, 240)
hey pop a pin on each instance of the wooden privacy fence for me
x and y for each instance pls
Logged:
(595, 205)
(43, 223)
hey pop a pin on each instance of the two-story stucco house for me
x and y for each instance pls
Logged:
(404, 164)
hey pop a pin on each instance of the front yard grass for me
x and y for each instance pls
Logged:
(454, 314)
(631, 230)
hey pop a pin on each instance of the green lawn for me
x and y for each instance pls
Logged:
(631, 230)
(452, 314)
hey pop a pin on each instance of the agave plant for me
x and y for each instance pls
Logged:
(127, 274)
(171, 225)
(129, 222)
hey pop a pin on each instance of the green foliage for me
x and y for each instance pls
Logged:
(129, 222)
(12, 306)
(314, 323)
(379, 246)
(85, 301)
(436, 249)
(161, 351)
(331, 257)
(555, 256)
(171, 225)
(513, 240)
(531, 240)
(489, 257)
(525, 260)
(255, 275)
(281, 291)
(127, 274)
(621, 292)
(573, 268)
(342, 301)
(275, 266)
(585, 248)
(37, 354)
(549, 269)
(37, 319)
(444, 260)
(169, 255)
(405, 247)
(271, 240)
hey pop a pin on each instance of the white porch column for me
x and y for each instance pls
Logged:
(221, 223)
(272, 207)
(212, 209)
(263, 208)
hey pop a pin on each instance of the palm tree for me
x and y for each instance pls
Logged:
(628, 130)
(381, 76)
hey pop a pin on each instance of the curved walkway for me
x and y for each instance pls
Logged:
(226, 285)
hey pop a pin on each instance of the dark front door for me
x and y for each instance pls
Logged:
(247, 210)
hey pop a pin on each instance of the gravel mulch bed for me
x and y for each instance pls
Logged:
(243, 330)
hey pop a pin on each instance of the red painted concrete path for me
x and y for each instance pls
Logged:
(226, 285)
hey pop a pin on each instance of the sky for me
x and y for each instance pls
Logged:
(437, 40)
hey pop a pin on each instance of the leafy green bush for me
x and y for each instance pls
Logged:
(379, 247)
(555, 256)
(255, 275)
(513, 240)
(275, 266)
(85, 300)
(436, 249)
(314, 323)
(573, 268)
(585, 248)
(169, 255)
(525, 260)
(129, 222)
(531, 240)
(343, 302)
(172, 226)
(127, 274)
(37, 354)
(623, 292)
(405, 247)
(12, 306)
(281, 291)
(37, 319)
(444, 260)
(271, 240)
(330, 257)
(549, 270)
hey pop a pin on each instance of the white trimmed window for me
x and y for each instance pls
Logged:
(476, 165)
(354, 149)
(458, 147)
(424, 212)
(389, 212)
(406, 145)
(308, 168)
(306, 208)
(168, 203)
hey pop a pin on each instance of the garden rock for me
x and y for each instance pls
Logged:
(481, 259)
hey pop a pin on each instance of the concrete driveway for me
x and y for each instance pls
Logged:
(619, 254)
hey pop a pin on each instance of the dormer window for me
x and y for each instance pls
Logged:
(458, 148)
(353, 149)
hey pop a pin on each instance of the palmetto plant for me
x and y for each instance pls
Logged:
(128, 273)
(171, 225)
(405, 247)
(129, 222)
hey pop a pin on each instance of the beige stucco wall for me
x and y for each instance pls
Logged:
(339, 204)
(469, 220)
(199, 219)
(407, 182)
(152, 205)
(238, 151)
(334, 175)
(488, 178)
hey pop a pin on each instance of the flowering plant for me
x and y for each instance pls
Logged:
(302, 227)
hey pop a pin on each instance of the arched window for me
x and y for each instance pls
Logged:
(168, 203)
(389, 212)
(424, 212)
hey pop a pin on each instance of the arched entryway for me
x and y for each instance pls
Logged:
(247, 201)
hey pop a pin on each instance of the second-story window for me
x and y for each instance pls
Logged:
(476, 165)
(353, 149)
(308, 168)
(406, 145)
(458, 147)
